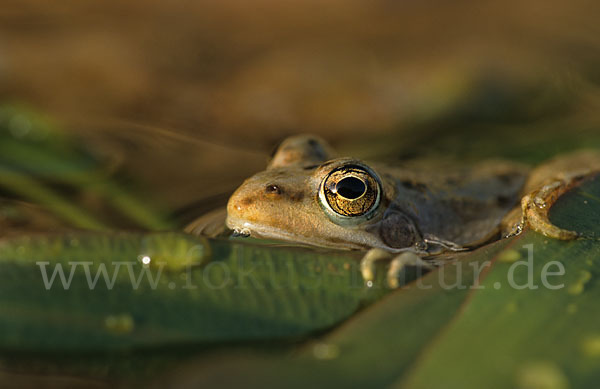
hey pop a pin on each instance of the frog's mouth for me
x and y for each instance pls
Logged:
(244, 228)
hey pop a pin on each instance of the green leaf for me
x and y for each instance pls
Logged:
(529, 337)
(191, 291)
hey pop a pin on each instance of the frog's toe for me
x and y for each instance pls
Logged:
(398, 264)
(367, 264)
(536, 205)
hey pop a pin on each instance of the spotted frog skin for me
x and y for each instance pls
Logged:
(307, 195)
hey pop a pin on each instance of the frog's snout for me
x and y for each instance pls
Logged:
(252, 205)
(237, 206)
(241, 209)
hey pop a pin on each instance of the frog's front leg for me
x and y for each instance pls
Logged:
(536, 205)
(534, 209)
(398, 262)
(545, 185)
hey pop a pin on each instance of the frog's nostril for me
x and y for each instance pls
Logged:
(238, 203)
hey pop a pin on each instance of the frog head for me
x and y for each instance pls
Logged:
(307, 196)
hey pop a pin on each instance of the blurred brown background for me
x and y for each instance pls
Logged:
(193, 94)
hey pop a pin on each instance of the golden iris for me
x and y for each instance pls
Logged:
(351, 190)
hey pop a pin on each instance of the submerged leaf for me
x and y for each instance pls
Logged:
(107, 292)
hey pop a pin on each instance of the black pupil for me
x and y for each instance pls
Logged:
(351, 188)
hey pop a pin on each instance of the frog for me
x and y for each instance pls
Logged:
(408, 214)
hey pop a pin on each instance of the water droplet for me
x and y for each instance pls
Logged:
(539, 202)
(326, 351)
(421, 246)
(172, 285)
(119, 324)
(241, 232)
(145, 259)
(369, 284)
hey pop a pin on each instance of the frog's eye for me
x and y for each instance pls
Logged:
(350, 191)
